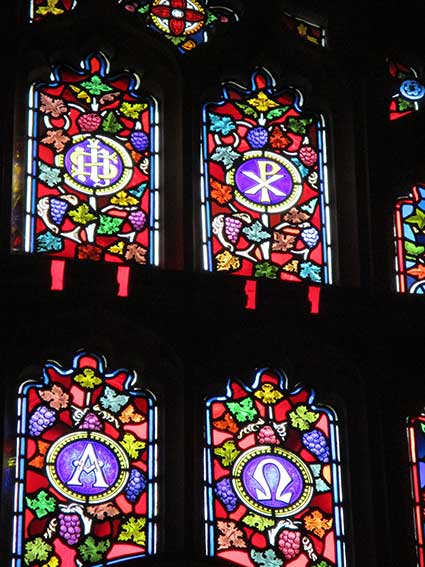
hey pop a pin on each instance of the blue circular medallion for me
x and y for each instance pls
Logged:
(412, 89)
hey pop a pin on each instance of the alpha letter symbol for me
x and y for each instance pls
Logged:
(88, 463)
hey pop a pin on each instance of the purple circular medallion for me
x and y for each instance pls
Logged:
(93, 163)
(272, 481)
(263, 181)
(87, 467)
(97, 165)
(266, 182)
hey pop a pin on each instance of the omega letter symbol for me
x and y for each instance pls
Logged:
(265, 479)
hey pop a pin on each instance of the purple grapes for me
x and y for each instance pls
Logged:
(41, 419)
(224, 491)
(91, 421)
(257, 137)
(69, 528)
(232, 228)
(137, 219)
(317, 444)
(139, 140)
(58, 208)
(135, 485)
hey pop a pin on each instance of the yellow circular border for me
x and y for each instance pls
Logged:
(118, 451)
(302, 501)
(122, 181)
(293, 171)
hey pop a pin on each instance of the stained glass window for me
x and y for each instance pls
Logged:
(86, 467)
(409, 231)
(416, 441)
(40, 9)
(264, 194)
(409, 90)
(185, 23)
(272, 466)
(92, 185)
(304, 29)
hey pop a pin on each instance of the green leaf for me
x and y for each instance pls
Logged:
(258, 522)
(37, 550)
(302, 418)
(298, 125)
(94, 550)
(417, 218)
(267, 270)
(42, 504)
(111, 124)
(228, 452)
(404, 104)
(243, 410)
(82, 214)
(132, 445)
(133, 531)
(276, 112)
(109, 225)
(412, 249)
(87, 379)
(246, 109)
(96, 86)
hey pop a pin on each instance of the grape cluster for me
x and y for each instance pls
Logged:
(257, 137)
(89, 122)
(137, 219)
(267, 436)
(290, 543)
(310, 236)
(317, 444)
(69, 528)
(91, 421)
(224, 491)
(135, 486)
(41, 419)
(139, 140)
(58, 208)
(232, 227)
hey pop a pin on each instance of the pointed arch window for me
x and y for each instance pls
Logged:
(92, 179)
(409, 234)
(40, 9)
(264, 193)
(185, 23)
(272, 466)
(86, 467)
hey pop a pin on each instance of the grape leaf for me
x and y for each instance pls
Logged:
(301, 418)
(132, 531)
(37, 549)
(94, 550)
